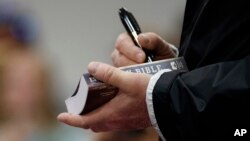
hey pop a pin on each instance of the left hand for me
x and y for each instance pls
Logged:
(126, 111)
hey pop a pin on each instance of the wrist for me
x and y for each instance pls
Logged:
(149, 100)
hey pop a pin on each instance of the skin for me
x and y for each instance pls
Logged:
(128, 110)
(22, 96)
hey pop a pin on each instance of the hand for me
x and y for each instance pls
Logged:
(126, 111)
(126, 53)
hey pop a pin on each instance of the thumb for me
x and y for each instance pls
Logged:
(109, 74)
(124, 81)
(155, 43)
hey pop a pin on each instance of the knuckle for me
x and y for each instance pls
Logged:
(84, 125)
(108, 75)
(123, 36)
(115, 63)
(155, 37)
(113, 56)
(116, 59)
(119, 41)
(118, 44)
(152, 34)
(156, 41)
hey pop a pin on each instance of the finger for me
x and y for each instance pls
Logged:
(154, 42)
(93, 120)
(97, 119)
(126, 46)
(108, 74)
(73, 120)
(151, 41)
(120, 60)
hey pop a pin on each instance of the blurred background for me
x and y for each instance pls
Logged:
(46, 45)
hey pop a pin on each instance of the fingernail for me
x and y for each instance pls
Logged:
(144, 38)
(93, 67)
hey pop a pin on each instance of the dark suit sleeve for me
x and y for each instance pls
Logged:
(205, 103)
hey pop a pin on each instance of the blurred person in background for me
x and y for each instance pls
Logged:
(17, 27)
(26, 108)
(27, 112)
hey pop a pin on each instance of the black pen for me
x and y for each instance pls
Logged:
(133, 29)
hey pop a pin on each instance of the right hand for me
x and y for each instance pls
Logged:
(126, 53)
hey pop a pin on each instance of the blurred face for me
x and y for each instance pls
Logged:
(8, 41)
(5, 32)
(22, 87)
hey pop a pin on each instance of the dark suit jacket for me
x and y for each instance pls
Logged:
(212, 100)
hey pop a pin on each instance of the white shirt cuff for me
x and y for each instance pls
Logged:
(175, 49)
(149, 100)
